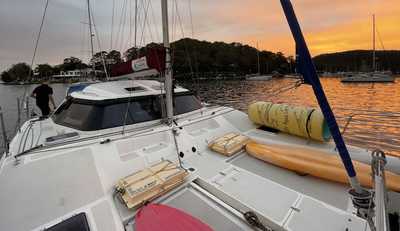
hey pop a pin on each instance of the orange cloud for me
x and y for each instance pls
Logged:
(329, 26)
(355, 33)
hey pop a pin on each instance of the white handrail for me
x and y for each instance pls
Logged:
(378, 170)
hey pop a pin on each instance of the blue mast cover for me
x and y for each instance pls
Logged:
(307, 69)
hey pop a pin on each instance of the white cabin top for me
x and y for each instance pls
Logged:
(121, 89)
(93, 107)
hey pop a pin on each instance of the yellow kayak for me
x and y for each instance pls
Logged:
(317, 164)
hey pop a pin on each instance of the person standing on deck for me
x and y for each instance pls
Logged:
(43, 94)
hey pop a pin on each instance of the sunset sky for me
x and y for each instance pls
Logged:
(329, 25)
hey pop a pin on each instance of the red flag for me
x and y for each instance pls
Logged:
(154, 217)
(154, 59)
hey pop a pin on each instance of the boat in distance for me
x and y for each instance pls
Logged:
(373, 77)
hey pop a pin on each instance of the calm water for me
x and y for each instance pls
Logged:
(375, 108)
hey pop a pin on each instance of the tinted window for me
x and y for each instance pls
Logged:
(92, 115)
(78, 114)
(186, 103)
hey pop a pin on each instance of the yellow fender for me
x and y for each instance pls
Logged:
(300, 121)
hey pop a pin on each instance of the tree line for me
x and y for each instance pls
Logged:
(188, 56)
(358, 61)
(22, 72)
(192, 58)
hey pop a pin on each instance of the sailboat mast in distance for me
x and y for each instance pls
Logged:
(91, 38)
(373, 44)
(90, 28)
(258, 60)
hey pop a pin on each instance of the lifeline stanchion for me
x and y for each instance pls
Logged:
(3, 131)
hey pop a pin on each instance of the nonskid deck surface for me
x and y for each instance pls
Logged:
(218, 191)
(234, 190)
(334, 194)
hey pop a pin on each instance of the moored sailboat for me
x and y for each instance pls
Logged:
(258, 76)
(370, 77)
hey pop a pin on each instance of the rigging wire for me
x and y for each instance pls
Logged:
(136, 18)
(191, 17)
(295, 85)
(383, 47)
(112, 24)
(123, 28)
(139, 25)
(157, 33)
(145, 8)
(380, 39)
(38, 38)
(127, 107)
(150, 31)
(130, 23)
(34, 53)
(196, 63)
(188, 56)
(99, 44)
(173, 31)
(119, 32)
(189, 60)
(126, 45)
(82, 51)
(91, 34)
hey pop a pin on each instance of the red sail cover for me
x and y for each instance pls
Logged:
(154, 59)
(154, 217)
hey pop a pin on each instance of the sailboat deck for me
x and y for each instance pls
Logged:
(218, 190)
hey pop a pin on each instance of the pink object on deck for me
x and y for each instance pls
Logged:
(155, 217)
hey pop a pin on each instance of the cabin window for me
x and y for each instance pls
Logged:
(87, 115)
(78, 114)
(139, 111)
(76, 223)
(186, 103)
(92, 115)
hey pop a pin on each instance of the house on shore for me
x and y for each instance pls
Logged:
(78, 75)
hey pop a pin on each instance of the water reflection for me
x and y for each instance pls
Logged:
(373, 108)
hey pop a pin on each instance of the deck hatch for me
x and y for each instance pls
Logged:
(76, 223)
(135, 89)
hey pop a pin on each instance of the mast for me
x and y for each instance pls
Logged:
(168, 68)
(112, 24)
(258, 59)
(136, 17)
(90, 33)
(373, 44)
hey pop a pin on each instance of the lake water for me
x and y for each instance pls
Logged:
(374, 108)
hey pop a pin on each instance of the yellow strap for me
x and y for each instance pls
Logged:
(229, 140)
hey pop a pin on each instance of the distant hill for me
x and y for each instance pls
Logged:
(358, 60)
(191, 55)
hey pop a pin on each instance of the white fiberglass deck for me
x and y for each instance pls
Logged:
(52, 184)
